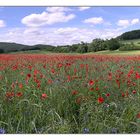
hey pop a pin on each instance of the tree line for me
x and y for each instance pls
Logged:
(94, 46)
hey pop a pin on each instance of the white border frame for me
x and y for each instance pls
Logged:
(69, 2)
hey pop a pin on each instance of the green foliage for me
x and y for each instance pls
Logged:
(82, 48)
(113, 44)
(129, 47)
(97, 45)
(73, 48)
(1, 51)
(135, 34)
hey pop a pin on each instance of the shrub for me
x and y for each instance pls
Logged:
(113, 44)
(129, 47)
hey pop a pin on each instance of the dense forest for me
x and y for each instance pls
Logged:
(135, 34)
(83, 47)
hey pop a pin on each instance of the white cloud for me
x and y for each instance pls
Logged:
(54, 15)
(57, 9)
(123, 23)
(55, 36)
(135, 21)
(2, 23)
(94, 20)
(83, 8)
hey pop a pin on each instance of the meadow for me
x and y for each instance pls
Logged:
(69, 94)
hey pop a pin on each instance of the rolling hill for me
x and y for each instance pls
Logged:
(130, 35)
(14, 47)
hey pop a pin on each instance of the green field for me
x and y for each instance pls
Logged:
(135, 41)
(69, 94)
(117, 52)
(107, 52)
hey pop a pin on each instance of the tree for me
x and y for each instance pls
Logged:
(1, 51)
(83, 48)
(73, 47)
(97, 45)
(113, 44)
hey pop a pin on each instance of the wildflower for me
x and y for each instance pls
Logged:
(123, 95)
(91, 89)
(106, 105)
(44, 96)
(74, 92)
(134, 91)
(137, 76)
(59, 65)
(44, 66)
(82, 65)
(86, 131)
(38, 85)
(138, 115)
(130, 73)
(100, 100)
(68, 78)
(50, 81)
(91, 82)
(118, 83)
(78, 100)
(9, 94)
(97, 89)
(20, 85)
(30, 68)
(2, 131)
(108, 94)
(109, 76)
(52, 71)
(28, 75)
(114, 131)
(19, 94)
(15, 67)
(36, 72)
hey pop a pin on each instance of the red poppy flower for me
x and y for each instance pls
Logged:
(59, 65)
(78, 100)
(97, 88)
(19, 94)
(52, 71)
(9, 94)
(44, 96)
(100, 100)
(123, 95)
(91, 82)
(20, 85)
(74, 92)
(108, 94)
(68, 78)
(50, 81)
(137, 75)
(28, 75)
(134, 91)
(36, 72)
(91, 89)
(138, 115)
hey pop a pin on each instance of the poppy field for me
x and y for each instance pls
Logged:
(69, 94)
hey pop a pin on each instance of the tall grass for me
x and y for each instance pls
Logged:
(49, 94)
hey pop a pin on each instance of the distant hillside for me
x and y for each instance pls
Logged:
(8, 47)
(135, 34)
(13, 47)
(129, 41)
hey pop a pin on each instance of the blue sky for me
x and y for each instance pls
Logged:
(65, 25)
